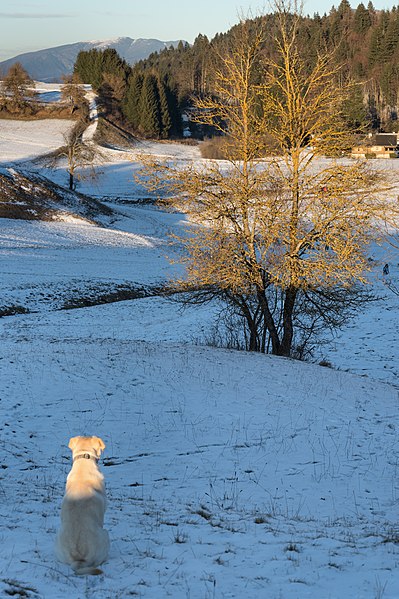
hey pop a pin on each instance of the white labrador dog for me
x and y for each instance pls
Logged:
(82, 541)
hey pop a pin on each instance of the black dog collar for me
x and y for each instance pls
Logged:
(86, 456)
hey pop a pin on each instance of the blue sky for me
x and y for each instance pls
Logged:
(27, 25)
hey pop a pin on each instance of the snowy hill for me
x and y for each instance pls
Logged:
(51, 64)
(228, 474)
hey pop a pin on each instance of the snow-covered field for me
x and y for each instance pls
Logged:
(20, 140)
(228, 474)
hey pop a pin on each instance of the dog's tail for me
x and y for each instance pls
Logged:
(81, 569)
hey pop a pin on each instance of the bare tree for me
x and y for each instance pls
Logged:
(73, 93)
(80, 155)
(285, 238)
(115, 84)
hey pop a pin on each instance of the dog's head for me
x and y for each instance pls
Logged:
(91, 445)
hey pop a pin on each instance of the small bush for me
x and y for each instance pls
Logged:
(260, 520)
(292, 547)
(180, 538)
(325, 363)
(204, 513)
(214, 149)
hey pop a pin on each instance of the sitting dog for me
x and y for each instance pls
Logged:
(82, 541)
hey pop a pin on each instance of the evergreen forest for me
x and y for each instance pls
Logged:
(150, 97)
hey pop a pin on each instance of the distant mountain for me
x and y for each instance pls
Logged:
(51, 64)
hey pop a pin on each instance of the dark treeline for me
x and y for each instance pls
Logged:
(151, 95)
(142, 98)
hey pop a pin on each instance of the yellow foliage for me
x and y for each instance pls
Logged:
(296, 221)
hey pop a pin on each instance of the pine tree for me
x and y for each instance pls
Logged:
(201, 51)
(150, 119)
(390, 83)
(354, 110)
(344, 10)
(174, 110)
(371, 10)
(131, 103)
(391, 37)
(377, 40)
(361, 19)
(166, 119)
(88, 67)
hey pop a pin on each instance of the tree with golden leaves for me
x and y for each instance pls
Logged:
(277, 230)
(18, 88)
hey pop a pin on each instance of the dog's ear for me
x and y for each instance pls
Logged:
(99, 444)
(72, 443)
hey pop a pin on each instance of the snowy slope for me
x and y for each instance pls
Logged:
(228, 474)
(21, 140)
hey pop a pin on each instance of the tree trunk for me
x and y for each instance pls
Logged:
(268, 319)
(288, 327)
(253, 337)
(251, 325)
(71, 181)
